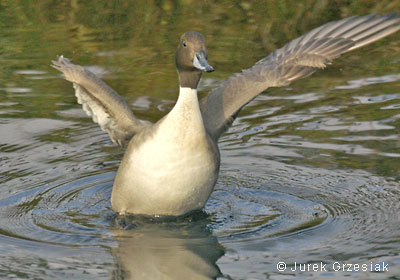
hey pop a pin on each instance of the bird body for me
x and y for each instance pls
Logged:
(170, 169)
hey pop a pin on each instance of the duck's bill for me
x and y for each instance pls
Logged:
(200, 62)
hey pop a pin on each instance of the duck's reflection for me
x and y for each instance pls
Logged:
(183, 249)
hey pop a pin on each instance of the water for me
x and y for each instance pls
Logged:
(309, 174)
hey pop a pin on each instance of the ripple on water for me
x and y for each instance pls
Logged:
(359, 83)
(74, 213)
(285, 201)
(333, 124)
(248, 213)
(256, 214)
(304, 214)
(376, 99)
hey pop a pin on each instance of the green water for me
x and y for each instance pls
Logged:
(309, 174)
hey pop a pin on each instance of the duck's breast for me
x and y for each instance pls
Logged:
(169, 170)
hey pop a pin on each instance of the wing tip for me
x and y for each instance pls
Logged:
(61, 63)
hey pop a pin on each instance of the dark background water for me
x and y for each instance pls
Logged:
(309, 174)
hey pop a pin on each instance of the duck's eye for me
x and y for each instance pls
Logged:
(184, 44)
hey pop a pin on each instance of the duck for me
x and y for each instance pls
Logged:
(170, 167)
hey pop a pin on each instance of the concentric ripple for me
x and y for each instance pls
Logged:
(74, 213)
(305, 215)
(248, 213)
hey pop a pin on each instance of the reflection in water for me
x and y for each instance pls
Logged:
(331, 124)
(166, 250)
(354, 84)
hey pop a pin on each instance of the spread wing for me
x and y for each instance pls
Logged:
(297, 59)
(101, 102)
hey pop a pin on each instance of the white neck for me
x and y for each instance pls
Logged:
(186, 111)
(187, 96)
(187, 103)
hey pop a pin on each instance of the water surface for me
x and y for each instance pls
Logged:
(309, 174)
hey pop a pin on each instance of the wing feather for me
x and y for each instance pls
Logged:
(101, 102)
(298, 59)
